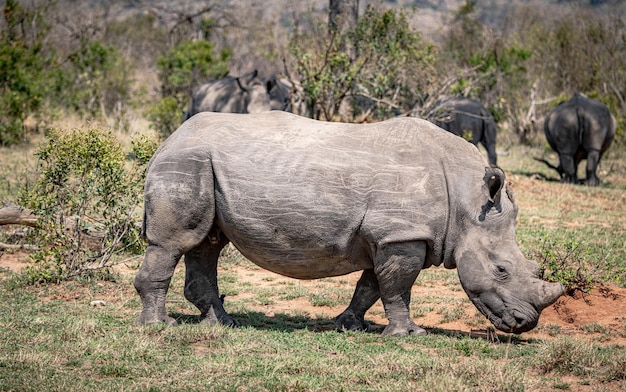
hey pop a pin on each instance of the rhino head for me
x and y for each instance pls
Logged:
(256, 96)
(503, 285)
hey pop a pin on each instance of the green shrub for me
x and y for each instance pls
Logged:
(577, 267)
(182, 68)
(165, 116)
(143, 148)
(23, 76)
(85, 195)
(364, 65)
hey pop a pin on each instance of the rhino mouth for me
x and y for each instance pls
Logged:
(507, 314)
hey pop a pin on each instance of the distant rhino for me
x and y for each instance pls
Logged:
(285, 95)
(460, 114)
(581, 128)
(244, 94)
(310, 199)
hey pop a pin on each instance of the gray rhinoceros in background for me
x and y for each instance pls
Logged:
(460, 114)
(244, 94)
(286, 95)
(310, 199)
(581, 128)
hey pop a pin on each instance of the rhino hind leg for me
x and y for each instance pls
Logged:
(593, 158)
(569, 168)
(152, 282)
(365, 295)
(397, 267)
(171, 232)
(201, 287)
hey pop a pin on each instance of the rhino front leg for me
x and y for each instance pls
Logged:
(152, 282)
(397, 265)
(365, 295)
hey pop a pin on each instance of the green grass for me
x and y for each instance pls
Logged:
(51, 339)
(593, 219)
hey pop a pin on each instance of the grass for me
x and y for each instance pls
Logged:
(52, 339)
(591, 218)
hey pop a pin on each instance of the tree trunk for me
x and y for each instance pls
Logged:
(342, 15)
(14, 215)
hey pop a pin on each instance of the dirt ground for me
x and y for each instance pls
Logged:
(599, 316)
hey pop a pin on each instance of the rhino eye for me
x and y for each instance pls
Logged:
(501, 273)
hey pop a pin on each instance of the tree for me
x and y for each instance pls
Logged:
(342, 15)
(380, 75)
(24, 78)
(181, 69)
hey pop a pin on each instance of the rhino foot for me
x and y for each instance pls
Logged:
(403, 329)
(348, 321)
(156, 319)
(224, 319)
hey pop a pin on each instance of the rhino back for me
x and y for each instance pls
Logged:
(580, 121)
(292, 190)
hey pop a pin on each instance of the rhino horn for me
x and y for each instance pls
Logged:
(551, 292)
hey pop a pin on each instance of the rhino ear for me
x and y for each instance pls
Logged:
(241, 86)
(494, 182)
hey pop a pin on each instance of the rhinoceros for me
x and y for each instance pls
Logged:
(460, 114)
(310, 199)
(244, 94)
(581, 128)
(285, 95)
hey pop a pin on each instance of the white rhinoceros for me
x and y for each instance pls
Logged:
(311, 199)
(581, 128)
(245, 94)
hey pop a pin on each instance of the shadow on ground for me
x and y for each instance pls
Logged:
(283, 322)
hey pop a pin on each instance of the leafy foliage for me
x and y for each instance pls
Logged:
(369, 63)
(181, 69)
(577, 267)
(85, 197)
(24, 78)
(165, 116)
(37, 77)
(96, 79)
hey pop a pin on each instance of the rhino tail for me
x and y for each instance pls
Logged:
(142, 233)
(542, 160)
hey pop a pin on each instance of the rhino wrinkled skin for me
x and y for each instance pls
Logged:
(310, 199)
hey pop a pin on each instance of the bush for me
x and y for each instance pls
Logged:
(578, 267)
(85, 195)
(96, 80)
(367, 64)
(24, 79)
(182, 68)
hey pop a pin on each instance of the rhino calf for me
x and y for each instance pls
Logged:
(310, 199)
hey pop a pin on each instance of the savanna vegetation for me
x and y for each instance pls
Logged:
(88, 90)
